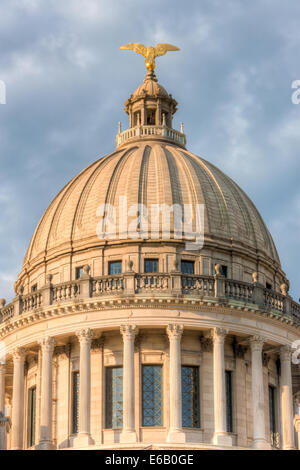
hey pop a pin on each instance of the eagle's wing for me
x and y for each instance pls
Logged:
(162, 49)
(136, 47)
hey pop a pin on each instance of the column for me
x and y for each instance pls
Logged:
(18, 400)
(297, 428)
(128, 434)
(84, 439)
(47, 346)
(221, 437)
(176, 434)
(2, 388)
(258, 402)
(288, 438)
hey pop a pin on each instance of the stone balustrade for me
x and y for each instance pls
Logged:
(198, 285)
(238, 290)
(173, 284)
(139, 132)
(65, 291)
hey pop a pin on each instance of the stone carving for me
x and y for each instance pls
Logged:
(219, 334)
(206, 344)
(97, 343)
(86, 270)
(18, 354)
(47, 344)
(174, 331)
(257, 342)
(85, 335)
(218, 269)
(285, 288)
(128, 331)
(2, 303)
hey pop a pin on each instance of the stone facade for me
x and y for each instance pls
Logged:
(231, 321)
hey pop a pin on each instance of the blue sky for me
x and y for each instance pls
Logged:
(67, 81)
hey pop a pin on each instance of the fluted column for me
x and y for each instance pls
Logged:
(47, 346)
(128, 434)
(18, 400)
(85, 337)
(2, 388)
(258, 403)
(288, 438)
(221, 437)
(175, 431)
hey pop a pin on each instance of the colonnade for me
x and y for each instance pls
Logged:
(176, 433)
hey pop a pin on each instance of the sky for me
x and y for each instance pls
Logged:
(66, 83)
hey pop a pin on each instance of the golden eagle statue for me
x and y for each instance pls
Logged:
(150, 52)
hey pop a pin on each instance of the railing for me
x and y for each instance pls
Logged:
(198, 285)
(152, 281)
(274, 300)
(32, 301)
(173, 284)
(295, 311)
(107, 285)
(146, 131)
(7, 312)
(238, 290)
(66, 291)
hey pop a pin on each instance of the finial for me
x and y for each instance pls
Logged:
(181, 127)
(119, 127)
(150, 53)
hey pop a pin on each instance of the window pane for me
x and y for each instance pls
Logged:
(79, 272)
(151, 266)
(190, 397)
(272, 413)
(31, 416)
(114, 397)
(187, 267)
(115, 267)
(229, 420)
(152, 395)
(75, 402)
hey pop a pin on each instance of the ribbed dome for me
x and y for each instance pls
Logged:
(150, 173)
(152, 88)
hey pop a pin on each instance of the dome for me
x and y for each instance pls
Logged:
(131, 331)
(160, 173)
(150, 87)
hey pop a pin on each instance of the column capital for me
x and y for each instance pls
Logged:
(174, 331)
(257, 342)
(285, 353)
(297, 423)
(18, 354)
(85, 335)
(128, 331)
(47, 344)
(219, 334)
